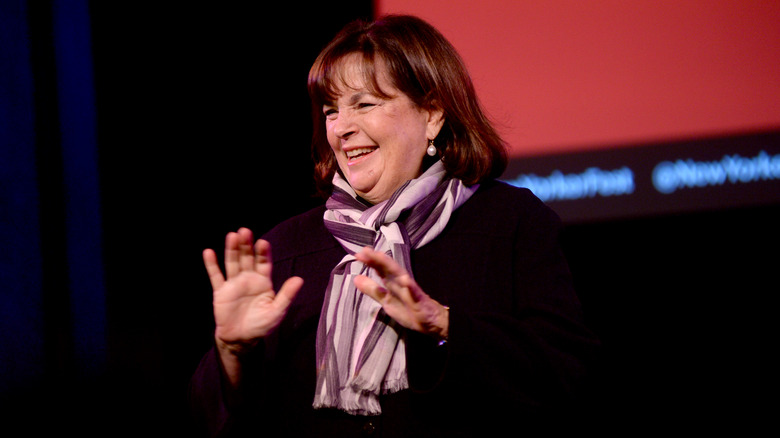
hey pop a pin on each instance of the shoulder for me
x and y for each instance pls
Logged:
(504, 193)
(497, 204)
(304, 233)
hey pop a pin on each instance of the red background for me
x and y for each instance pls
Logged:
(565, 75)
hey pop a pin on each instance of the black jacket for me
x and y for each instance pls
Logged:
(518, 354)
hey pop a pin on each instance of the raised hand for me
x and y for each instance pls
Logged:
(401, 297)
(246, 307)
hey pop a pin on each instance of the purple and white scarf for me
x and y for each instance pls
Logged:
(360, 349)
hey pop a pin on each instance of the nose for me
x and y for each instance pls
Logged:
(344, 125)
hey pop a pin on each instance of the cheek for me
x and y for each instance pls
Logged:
(331, 138)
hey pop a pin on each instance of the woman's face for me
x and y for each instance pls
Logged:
(379, 142)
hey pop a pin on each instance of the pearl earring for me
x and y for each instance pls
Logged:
(431, 151)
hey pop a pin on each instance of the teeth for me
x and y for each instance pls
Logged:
(359, 151)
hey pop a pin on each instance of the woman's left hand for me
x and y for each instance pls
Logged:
(401, 297)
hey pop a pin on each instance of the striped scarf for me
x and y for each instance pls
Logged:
(360, 349)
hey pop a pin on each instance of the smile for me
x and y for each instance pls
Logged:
(359, 152)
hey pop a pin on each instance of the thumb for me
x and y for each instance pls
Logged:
(287, 292)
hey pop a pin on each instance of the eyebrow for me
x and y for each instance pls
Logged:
(353, 99)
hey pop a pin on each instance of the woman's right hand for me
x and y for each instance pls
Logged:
(246, 307)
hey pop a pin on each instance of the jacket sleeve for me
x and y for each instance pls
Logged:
(217, 410)
(208, 404)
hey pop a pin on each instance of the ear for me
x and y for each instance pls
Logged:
(435, 122)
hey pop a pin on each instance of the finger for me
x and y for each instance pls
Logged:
(371, 288)
(395, 277)
(406, 288)
(263, 262)
(246, 256)
(287, 292)
(384, 265)
(231, 254)
(212, 269)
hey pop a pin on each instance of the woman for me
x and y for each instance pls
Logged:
(425, 298)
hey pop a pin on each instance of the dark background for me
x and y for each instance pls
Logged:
(203, 127)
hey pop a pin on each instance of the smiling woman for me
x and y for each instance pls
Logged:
(424, 68)
(424, 298)
(379, 140)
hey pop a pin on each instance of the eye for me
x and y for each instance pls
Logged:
(330, 112)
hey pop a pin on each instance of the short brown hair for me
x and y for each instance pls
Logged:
(422, 64)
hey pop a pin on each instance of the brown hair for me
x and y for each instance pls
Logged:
(422, 64)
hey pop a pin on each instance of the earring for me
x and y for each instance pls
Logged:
(431, 151)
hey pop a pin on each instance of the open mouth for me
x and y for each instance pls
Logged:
(357, 153)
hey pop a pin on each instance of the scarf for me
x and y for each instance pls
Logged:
(360, 349)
